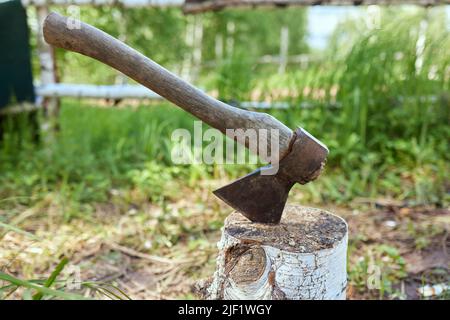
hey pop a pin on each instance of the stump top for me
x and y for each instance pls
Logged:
(301, 230)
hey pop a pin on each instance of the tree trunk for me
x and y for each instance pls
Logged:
(284, 49)
(302, 258)
(48, 74)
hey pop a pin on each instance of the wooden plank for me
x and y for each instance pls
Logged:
(198, 6)
(96, 91)
(96, 3)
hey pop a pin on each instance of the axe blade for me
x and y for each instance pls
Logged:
(260, 198)
(261, 195)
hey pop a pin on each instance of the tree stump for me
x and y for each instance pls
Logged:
(302, 258)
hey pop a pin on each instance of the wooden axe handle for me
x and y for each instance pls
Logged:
(70, 34)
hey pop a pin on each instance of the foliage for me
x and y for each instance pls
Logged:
(378, 269)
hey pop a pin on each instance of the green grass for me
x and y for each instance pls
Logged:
(40, 289)
(100, 149)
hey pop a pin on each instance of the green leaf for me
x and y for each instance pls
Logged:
(52, 278)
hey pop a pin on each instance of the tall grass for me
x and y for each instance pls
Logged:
(382, 103)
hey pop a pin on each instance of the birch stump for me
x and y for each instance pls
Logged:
(302, 258)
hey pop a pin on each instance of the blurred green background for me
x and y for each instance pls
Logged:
(377, 97)
(384, 118)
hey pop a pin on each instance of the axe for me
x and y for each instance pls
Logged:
(261, 195)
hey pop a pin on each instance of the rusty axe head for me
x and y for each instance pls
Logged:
(262, 194)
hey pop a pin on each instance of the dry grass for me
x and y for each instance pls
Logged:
(154, 252)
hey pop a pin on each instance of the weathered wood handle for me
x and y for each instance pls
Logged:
(59, 31)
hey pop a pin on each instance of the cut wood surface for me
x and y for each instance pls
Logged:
(302, 258)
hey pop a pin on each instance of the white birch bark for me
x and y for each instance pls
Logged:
(197, 47)
(303, 258)
(231, 28)
(186, 67)
(284, 49)
(45, 51)
(123, 91)
(48, 72)
(124, 3)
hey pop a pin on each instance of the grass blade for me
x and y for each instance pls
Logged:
(42, 289)
(52, 278)
(18, 230)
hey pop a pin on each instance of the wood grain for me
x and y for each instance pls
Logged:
(96, 44)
